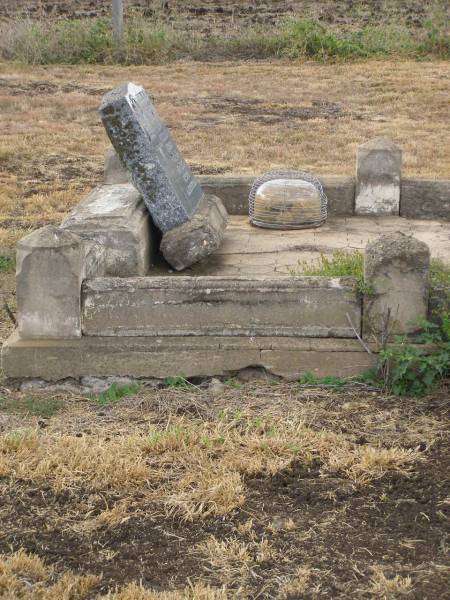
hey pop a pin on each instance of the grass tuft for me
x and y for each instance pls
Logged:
(115, 393)
(7, 264)
(340, 264)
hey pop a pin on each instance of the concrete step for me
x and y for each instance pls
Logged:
(221, 306)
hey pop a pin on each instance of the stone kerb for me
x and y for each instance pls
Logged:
(51, 266)
(397, 275)
(378, 178)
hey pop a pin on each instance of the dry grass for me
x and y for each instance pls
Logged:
(26, 577)
(198, 468)
(230, 492)
(230, 118)
(386, 588)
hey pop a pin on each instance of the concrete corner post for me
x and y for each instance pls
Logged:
(51, 265)
(397, 274)
(378, 178)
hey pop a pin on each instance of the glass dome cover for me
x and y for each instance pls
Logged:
(287, 199)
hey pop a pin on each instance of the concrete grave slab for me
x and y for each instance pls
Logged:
(247, 251)
(115, 171)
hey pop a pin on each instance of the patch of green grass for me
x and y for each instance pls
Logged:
(340, 264)
(115, 393)
(154, 42)
(38, 407)
(310, 379)
(7, 264)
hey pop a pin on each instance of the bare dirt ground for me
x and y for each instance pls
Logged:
(209, 16)
(255, 490)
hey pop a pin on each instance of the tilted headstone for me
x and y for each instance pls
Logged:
(146, 148)
(170, 191)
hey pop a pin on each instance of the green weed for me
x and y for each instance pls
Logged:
(411, 370)
(115, 393)
(233, 383)
(7, 264)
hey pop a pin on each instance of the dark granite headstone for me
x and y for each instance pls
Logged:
(170, 191)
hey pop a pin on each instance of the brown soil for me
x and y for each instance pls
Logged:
(341, 531)
(214, 15)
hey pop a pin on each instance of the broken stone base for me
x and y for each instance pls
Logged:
(150, 357)
(197, 238)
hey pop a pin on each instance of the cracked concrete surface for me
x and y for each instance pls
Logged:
(252, 251)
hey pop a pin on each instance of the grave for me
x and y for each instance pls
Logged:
(191, 222)
(96, 297)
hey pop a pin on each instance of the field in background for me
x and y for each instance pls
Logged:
(228, 118)
(161, 31)
(209, 15)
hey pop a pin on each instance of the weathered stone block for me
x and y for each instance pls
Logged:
(397, 271)
(115, 171)
(116, 217)
(378, 174)
(197, 238)
(145, 146)
(226, 306)
(51, 265)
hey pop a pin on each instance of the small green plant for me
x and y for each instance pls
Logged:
(340, 264)
(115, 393)
(7, 264)
(38, 407)
(410, 370)
(178, 382)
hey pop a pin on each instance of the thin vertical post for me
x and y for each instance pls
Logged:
(117, 17)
